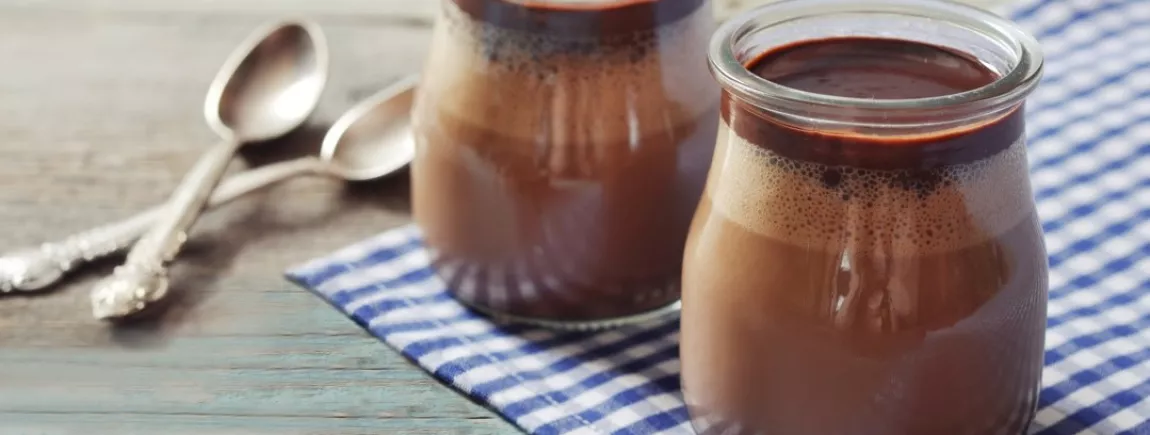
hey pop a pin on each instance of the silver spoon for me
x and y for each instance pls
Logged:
(378, 143)
(268, 87)
(370, 141)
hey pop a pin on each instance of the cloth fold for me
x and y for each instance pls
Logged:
(1089, 132)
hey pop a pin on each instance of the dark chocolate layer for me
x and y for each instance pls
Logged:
(612, 18)
(880, 69)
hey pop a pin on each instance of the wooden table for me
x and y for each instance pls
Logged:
(100, 117)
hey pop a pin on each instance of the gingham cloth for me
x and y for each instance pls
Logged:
(1089, 127)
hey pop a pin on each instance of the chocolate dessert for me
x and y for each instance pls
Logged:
(840, 281)
(562, 149)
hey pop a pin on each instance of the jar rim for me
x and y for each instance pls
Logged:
(1008, 90)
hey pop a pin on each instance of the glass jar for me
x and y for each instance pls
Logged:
(562, 147)
(867, 258)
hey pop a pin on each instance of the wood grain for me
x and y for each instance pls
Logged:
(100, 117)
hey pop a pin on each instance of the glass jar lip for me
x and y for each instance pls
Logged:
(1009, 89)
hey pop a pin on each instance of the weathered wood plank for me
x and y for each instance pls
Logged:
(287, 352)
(390, 11)
(247, 392)
(100, 117)
(136, 424)
(233, 308)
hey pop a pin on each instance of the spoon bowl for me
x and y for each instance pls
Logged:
(373, 139)
(270, 84)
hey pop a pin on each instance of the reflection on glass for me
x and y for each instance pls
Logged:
(859, 266)
(562, 149)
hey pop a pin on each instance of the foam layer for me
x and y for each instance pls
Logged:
(881, 211)
(541, 88)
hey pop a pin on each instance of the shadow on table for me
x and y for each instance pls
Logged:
(210, 255)
(392, 193)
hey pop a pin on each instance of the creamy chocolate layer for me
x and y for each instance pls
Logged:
(874, 68)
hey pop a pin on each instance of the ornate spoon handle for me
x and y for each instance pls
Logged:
(34, 269)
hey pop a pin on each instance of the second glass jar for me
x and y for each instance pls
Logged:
(561, 150)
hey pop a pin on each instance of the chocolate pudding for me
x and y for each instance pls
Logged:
(840, 281)
(562, 150)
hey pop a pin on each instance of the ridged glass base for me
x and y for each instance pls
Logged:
(665, 313)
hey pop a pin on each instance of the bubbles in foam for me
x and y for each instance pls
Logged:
(510, 48)
(900, 212)
(545, 88)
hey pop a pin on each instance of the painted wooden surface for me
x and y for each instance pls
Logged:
(99, 117)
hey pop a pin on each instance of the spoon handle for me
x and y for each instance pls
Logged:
(34, 269)
(143, 278)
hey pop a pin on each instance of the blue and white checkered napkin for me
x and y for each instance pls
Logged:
(1090, 153)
